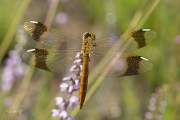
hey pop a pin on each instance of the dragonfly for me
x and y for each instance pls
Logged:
(107, 51)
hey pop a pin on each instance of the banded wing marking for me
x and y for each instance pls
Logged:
(51, 37)
(125, 65)
(50, 60)
(126, 42)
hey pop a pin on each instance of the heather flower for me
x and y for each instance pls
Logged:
(73, 101)
(55, 112)
(63, 114)
(14, 69)
(61, 18)
(70, 85)
(177, 39)
(156, 106)
(63, 86)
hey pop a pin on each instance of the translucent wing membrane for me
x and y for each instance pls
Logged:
(111, 65)
(106, 58)
(126, 42)
(117, 66)
(51, 37)
(50, 60)
(107, 49)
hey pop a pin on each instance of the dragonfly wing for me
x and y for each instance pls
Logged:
(51, 37)
(126, 42)
(50, 60)
(119, 65)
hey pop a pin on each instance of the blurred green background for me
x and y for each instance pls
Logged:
(154, 95)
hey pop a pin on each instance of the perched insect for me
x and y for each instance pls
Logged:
(92, 51)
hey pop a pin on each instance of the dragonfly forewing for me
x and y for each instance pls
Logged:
(51, 37)
(126, 42)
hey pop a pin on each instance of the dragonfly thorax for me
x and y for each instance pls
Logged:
(88, 44)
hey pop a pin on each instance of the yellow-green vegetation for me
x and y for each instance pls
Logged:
(154, 95)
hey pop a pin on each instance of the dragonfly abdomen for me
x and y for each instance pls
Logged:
(84, 81)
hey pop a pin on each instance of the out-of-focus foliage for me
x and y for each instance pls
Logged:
(154, 95)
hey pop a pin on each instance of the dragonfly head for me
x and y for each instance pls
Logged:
(91, 37)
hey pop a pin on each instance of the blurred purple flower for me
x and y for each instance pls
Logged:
(13, 68)
(61, 18)
(63, 86)
(67, 78)
(55, 113)
(63, 106)
(177, 39)
(73, 101)
(59, 100)
(73, 68)
(63, 115)
(77, 61)
(76, 83)
(61, 103)
(70, 87)
(70, 118)
(156, 106)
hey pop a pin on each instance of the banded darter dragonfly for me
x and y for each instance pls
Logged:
(59, 60)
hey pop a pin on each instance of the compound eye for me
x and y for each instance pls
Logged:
(86, 35)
